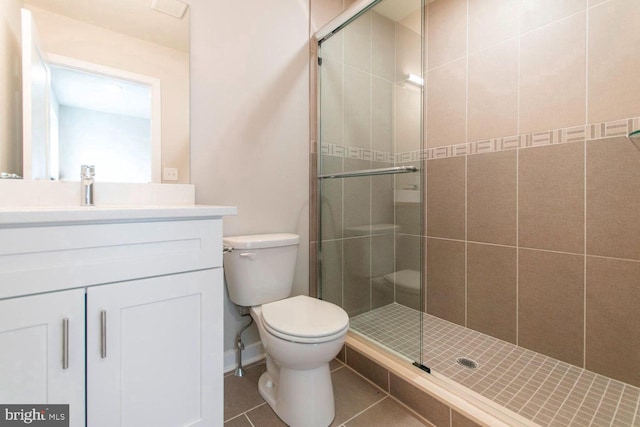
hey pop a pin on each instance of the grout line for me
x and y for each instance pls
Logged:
(466, 242)
(466, 178)
(552, 393)
(518, 181)
(566, 397)
(542, 383)
(370, 179)
(496, 365)
(604, 393)
(517, 247)
(584, 274)
(534, 249)
(554, 375)
(234, 417)
(364, 410)
(342, 183)
(584, 398)
(615, 412)
(245, 412)
(338, 368)
(249, 419)
(635, 413)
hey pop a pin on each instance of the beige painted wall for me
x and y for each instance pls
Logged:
(250, 121)
(10, 88)
(64, 36)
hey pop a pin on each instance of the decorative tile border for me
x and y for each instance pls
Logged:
(356, 153)
(611, 129)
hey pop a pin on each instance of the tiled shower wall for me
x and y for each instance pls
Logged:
(537, 241)
(532, 208)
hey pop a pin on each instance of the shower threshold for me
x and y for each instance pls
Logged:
(539, 388)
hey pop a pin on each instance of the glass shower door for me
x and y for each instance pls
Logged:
(370, 174)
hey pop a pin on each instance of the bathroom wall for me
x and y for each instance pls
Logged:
(531, 187)
(10, 88)
(250, 121)
(68, 37)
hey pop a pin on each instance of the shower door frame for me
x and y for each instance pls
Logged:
(336, 25)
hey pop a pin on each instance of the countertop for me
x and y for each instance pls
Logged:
(26, 216)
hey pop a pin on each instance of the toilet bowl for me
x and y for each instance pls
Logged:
(300, 334)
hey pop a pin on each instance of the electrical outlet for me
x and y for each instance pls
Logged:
(170, 174)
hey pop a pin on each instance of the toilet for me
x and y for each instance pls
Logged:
(300, 335)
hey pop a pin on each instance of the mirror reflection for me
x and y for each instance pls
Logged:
(127, 40)
(110, 129)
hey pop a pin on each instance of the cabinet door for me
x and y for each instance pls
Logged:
(32, 346)
(154, 351)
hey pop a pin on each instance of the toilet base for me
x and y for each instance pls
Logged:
(301, 397)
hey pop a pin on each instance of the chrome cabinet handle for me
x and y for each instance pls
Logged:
(103, 334)
(65, 343)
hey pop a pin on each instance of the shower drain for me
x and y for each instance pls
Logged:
(467, 363)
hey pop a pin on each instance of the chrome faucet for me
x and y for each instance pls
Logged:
(87, 173)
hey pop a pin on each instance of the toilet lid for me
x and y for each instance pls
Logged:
(304, 317)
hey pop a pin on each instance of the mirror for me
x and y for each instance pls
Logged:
(125, 39)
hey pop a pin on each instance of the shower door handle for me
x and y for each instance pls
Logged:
(65, 343)
(103, 334)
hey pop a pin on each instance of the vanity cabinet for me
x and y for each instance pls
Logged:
(128, 304)
(150, 350)
(42, 350)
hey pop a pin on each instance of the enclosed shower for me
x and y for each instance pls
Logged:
(477, 198)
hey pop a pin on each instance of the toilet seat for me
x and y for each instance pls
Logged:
(304, 319)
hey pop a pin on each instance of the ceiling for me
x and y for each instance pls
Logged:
(134, 18)
(107, 94)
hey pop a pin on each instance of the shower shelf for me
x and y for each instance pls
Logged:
(370, 172)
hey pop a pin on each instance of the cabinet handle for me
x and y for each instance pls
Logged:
(103, 334)
(65, 343)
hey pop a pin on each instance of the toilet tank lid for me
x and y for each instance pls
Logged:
(259, 241)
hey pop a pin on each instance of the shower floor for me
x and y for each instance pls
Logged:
(540, 388)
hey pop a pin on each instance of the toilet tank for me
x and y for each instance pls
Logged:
(260, 268)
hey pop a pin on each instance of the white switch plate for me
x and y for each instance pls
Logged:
(170, 174)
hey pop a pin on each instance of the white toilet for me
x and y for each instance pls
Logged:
(300, 334)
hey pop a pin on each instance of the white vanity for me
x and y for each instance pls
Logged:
(115, 311)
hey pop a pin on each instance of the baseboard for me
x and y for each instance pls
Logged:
(251, 354)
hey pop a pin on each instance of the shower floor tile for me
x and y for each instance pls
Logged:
(540, 388)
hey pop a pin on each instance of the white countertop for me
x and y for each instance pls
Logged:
(17, 216)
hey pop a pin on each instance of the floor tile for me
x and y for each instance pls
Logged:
(241, 393)
(353, 394)
(335, 364)
(240, 421)
(545, 390)
(263, 416)
(388, 413)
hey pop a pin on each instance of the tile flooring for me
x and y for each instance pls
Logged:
(358, 402)
(545, 390)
